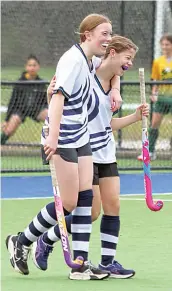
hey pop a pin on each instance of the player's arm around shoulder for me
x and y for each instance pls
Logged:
(115, 96)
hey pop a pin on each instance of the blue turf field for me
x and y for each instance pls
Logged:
(28, 187)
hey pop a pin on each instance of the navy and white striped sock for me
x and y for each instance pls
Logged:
(53, 234)
(109, 229)
(82, 224)
(45, 219)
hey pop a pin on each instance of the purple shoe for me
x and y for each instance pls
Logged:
(117, 271)
(40, 254)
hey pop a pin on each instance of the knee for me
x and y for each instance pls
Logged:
(95, 214)
(112, 207)
(4, 130)
(9, 130)
(155, 125)
(96, 207)
(70, 204)
(117, 207)
(87, 184)
(12, 125)
(42, 115)
(156, 122)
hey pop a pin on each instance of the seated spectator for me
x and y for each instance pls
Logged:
(27, 100)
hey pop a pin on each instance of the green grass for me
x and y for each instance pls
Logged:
(145, 245)
(16, 162)
(13, 73)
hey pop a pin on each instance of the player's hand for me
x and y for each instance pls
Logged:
(142, 110)
(115, 100)
(153, 98)
(51, 87)
(50, 147)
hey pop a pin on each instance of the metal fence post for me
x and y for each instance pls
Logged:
(121, 89)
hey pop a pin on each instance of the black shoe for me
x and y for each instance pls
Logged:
(18, 254)
(88, 272)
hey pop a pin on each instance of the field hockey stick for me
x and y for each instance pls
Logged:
(61, 218)
(145, 152)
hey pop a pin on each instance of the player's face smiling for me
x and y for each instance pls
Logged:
(100, 38)
(123, 61)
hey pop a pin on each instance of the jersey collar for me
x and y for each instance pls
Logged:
(82, 52)
(100, 85)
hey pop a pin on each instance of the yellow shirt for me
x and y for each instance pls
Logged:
(162, 70)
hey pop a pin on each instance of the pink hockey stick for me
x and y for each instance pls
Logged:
(78, 262)
(145, 152)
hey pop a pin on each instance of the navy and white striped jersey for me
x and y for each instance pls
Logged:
(101, 135)
(75, 81)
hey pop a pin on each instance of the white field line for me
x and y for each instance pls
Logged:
(154, 194)
(28, 198)
(132, 197)
(142, 199)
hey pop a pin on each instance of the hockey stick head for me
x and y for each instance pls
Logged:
(147, 179)
(154, 206)
(158, 205)
(148, 193)
(74, 264)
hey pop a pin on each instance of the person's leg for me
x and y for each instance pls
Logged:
(110, 222)
(18, 246)
(96, 207)
(81, 216)
(78, 223)
(67, 177)
(10, 128)
(154, 130)
(47, 240)
(42, 115)
(82, 224)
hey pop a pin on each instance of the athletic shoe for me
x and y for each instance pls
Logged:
(40, 254)
(88, 272)
(18, 254)
(117, 271)
(152, 157)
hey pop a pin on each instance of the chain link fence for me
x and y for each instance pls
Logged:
(47, 28)
(22, 151)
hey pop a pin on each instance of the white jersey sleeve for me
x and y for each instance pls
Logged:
(96, 62)
(67, 71)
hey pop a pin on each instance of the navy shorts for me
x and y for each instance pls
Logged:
(104, 171)
(69, 154)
